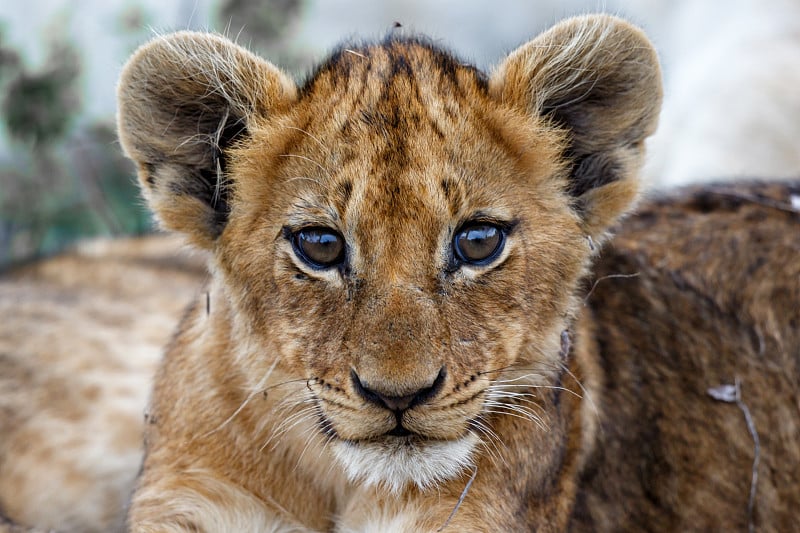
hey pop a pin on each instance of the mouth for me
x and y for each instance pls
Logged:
(399, 431)
(395, 449)
(399, 457)
(400, 426)
(397, 437)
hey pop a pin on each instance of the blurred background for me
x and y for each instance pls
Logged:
(62, 176)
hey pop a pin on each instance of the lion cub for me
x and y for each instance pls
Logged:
(391, 340)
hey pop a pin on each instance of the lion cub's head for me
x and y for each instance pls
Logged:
(401, 233)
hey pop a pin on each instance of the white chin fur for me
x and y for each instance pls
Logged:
(396, 462)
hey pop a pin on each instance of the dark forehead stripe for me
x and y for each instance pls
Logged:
(344, 192)
(380, 84)
(451, 190)
(403, 56)
(387, 87)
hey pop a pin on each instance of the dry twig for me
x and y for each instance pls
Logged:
(733, 394)
(460, 500)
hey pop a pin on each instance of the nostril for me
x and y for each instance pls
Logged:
(398, 403)
(363, 391)
(426, 394)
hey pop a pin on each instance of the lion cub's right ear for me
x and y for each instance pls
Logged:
(183, 99)
(597, 79)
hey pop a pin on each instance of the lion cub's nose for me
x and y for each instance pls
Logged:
(374, 394)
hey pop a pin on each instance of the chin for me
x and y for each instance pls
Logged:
(393, 463)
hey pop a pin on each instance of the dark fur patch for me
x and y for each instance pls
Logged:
(589, 171)
(345, 191)
(340, 62)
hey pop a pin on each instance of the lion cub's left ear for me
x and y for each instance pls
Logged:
(596, 77)
(184, 100)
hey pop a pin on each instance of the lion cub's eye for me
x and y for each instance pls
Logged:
(318, 247)
(478, 243)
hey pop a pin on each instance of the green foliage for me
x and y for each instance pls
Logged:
(55, 195)
(9, 60)
(39, 107)
(64, 181)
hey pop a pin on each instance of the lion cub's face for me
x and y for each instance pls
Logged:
(402, 253)
(402, 234)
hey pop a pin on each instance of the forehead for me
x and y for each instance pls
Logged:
(389, 80)
(400, 105)
(401, 129)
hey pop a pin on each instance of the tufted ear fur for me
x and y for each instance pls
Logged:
(597, 78)
(182, 100)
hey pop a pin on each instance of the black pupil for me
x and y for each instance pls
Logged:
(478, 243)
(320, 247)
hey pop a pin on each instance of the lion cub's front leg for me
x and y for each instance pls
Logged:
(201, 501)
(277, 478)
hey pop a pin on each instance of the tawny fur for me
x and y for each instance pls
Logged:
(695, 292)
(414, 144)
(566, 398)
(80, 338)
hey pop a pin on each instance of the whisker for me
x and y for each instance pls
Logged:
(331, 464)
(304, 158)
(586, 395)
(247, 399)
(609, 276)
(306, 178)
(512, 406)
(523, 415)
(282, 384)
(484, 429)
(515, 410)
(301, 130)
(288, 424)
(519, 378)
(488, 445)
(552, 366)
(283, 412)
(310, 433)
(546, 387)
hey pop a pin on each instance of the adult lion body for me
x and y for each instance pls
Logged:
(398, 333)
